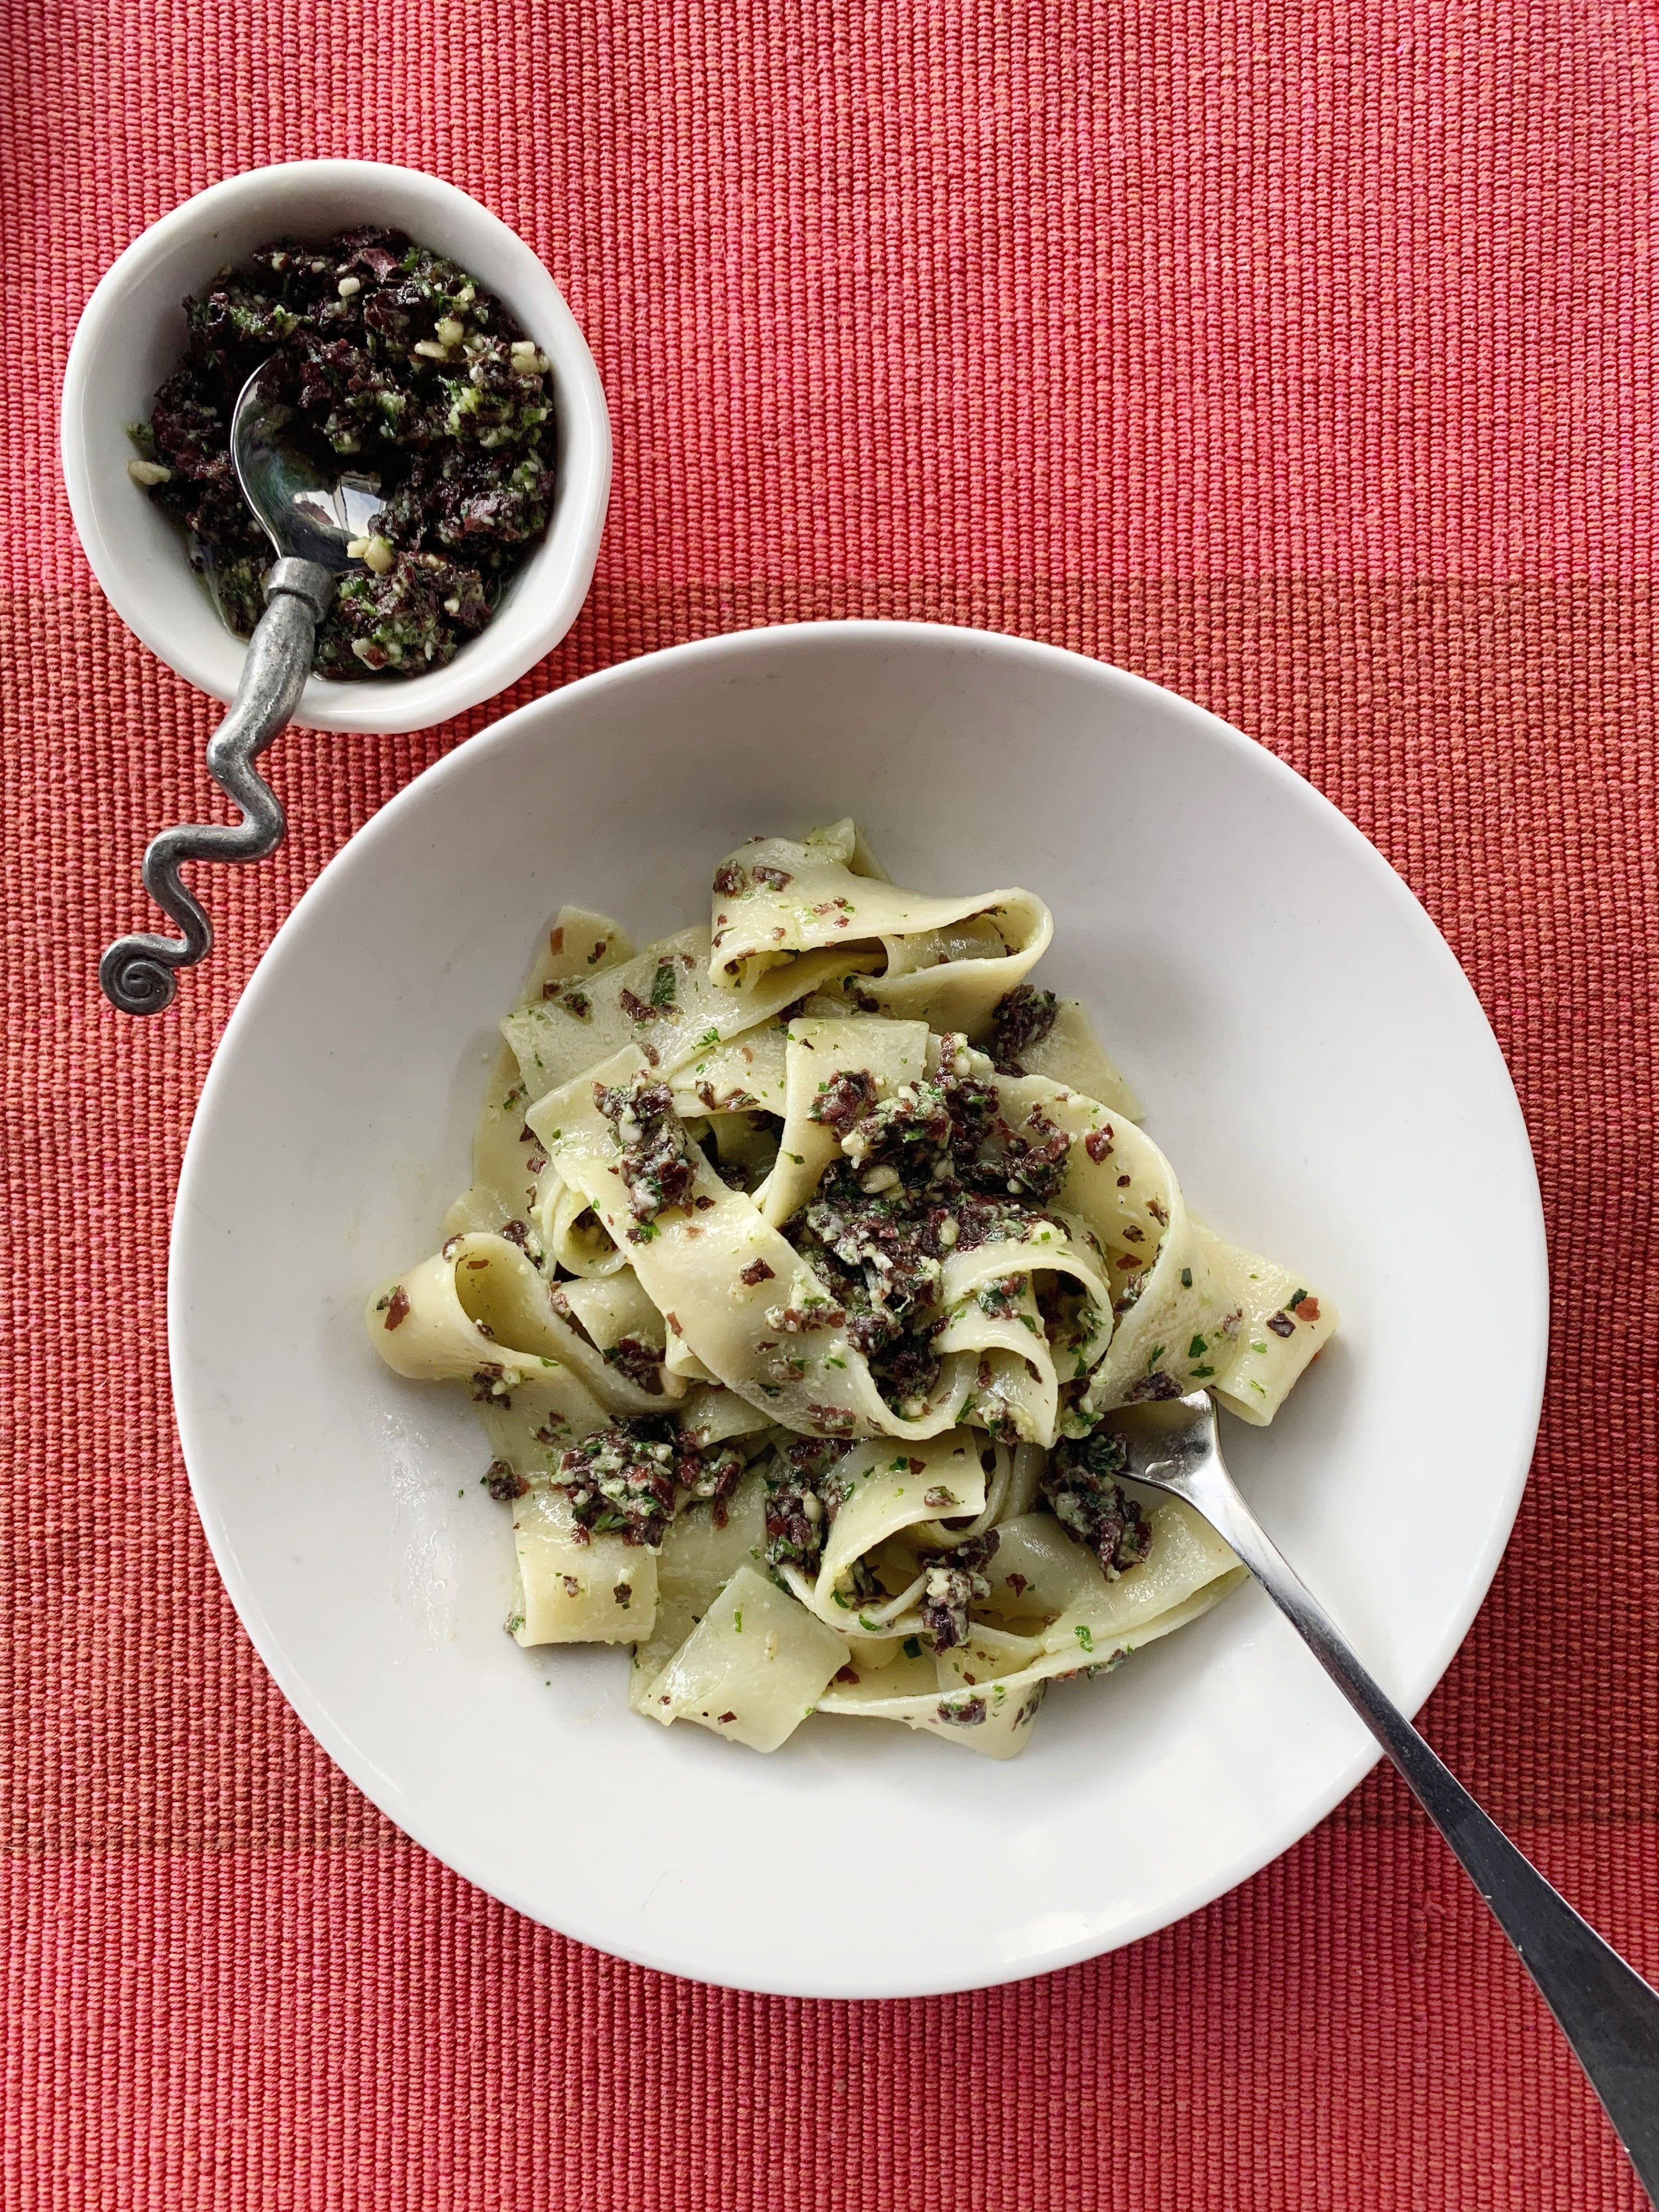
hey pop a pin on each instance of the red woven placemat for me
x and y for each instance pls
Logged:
(1299, 355)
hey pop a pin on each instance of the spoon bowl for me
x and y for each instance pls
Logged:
(306, 516)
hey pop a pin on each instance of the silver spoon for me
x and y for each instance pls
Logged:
(1607, 2011)
(311, 522)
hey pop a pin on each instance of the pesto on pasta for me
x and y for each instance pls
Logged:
(805, 1253)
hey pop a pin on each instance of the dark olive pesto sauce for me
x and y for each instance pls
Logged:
(398, 365)
(632, 1479)
(1081, 1487)
(934, 1169)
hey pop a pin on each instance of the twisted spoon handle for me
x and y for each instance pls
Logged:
(137, 972)
(1607, 2011)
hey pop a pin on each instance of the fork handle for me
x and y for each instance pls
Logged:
(1606, 2010)
(138, 973)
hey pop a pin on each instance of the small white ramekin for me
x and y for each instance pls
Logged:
(132, 334)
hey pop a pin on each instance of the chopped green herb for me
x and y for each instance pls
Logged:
(1186, 1278)
(1085, 1635)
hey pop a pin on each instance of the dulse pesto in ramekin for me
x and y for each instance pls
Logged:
(399, 366)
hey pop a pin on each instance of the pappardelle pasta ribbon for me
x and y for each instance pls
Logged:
(803, 1256)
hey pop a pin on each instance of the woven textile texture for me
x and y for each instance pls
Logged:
(1295, 353)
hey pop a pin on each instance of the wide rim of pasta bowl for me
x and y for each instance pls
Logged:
(1313, 1062)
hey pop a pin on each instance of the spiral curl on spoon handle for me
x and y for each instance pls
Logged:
(138, 973)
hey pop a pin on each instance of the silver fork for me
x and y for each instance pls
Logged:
(1607, 2013)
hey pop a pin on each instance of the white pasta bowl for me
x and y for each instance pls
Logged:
(1313, 1063)
(132, 335)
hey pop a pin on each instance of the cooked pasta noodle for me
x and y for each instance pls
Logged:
(806, 1252)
